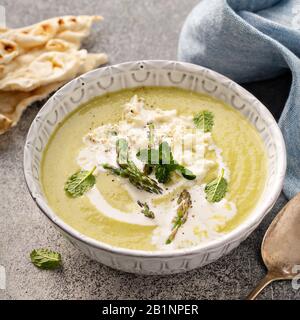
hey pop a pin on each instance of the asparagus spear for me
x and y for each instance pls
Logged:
(127, 169)
(146, 210)
(184, 203)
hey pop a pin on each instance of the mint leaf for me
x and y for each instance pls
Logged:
(186, 173)
(204, 120)
(45, 258)
(162, 173)
(216, 189)
(79, 183)
(163, 163)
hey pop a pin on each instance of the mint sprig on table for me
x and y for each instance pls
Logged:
(79, 183)
(184, 203)
(45, 259)
(204, 121)
(127, 169)
(163, 163)
(216, 189)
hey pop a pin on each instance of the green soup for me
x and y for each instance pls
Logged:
(242, 150)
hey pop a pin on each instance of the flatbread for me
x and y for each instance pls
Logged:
(13, 103)
(37, 60)
(8, 51)
(69, 28)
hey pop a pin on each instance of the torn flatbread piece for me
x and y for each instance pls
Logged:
(72, 29)
(37, 60)
(13, 103)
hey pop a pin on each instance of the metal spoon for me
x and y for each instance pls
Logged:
(280, 248)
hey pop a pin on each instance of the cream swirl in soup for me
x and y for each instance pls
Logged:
(154, 169)
(189, 146)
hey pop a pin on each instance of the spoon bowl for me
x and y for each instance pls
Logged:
(280, 248)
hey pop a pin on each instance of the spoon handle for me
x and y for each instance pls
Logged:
(261, 285)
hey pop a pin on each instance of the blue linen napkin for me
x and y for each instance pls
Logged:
(250, 40)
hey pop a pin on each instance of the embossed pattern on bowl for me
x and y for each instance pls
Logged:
(167, 74)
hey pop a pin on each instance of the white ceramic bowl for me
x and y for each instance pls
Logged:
(155, 73)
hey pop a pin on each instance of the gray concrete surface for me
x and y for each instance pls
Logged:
(131, 30)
